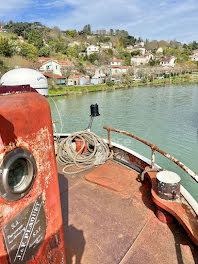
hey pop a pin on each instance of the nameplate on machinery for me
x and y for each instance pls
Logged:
(25, 233)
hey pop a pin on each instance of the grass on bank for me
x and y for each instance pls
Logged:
(66, 90)
(63, 89)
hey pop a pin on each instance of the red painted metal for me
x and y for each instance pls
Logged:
(153, 148)
(25, 121)
(163, 215)
(16, 89)
(2, 149)
(178, 208)
(79, 145)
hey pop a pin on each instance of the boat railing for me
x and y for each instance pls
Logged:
(153, 149)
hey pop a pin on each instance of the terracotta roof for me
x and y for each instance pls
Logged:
(139, 57)
(116, 60)
(65, 63)
(166, 59)
(45, 59)
(56, 76)
(75, 77)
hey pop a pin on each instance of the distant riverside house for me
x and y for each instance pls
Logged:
(195, 52)
(168, 61)
(141, 59)
(106, 45)
(54, 65)
(92, 49)
(116, 62)
(77, 80)
(120, 69)
(59, 80)
(99, 76)
(194, 57)
(51, 66)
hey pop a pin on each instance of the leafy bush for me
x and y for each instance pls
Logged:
(44, 52)
(5, 47)
(28, 50)
(109, 83)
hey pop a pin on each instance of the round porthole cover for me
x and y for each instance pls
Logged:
(17, 173)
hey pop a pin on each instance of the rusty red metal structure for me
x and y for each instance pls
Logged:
(31, 222)
(153, 149)
(179, 209)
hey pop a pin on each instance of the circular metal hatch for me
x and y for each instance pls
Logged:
(17, 173)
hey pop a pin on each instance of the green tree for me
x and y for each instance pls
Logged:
(87, 29)
(44, 52)
(93, 58)
(35, 38)
(5, 47)
(28, 50)
(111, 32)
(71, 33)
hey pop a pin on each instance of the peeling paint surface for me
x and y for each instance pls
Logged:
(25, 121)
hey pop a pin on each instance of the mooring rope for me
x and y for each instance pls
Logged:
(98, 151)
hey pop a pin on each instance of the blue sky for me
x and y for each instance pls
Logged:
(153, 19)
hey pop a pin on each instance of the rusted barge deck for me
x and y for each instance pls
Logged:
(109, 217)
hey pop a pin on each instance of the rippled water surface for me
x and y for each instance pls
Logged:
(166, 116)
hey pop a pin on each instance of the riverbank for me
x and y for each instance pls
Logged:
(67, 90)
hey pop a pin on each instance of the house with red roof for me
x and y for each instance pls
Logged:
(59, 80)
(50, 65)
(116, 62)
(141, 59)
(75, 80)
(168, 61)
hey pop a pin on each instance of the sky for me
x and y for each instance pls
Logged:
(152, 19)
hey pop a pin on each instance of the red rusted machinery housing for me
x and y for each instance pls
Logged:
(31, 227)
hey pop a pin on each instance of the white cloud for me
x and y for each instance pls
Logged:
(12, 6)
(147, 18)
(151, 19)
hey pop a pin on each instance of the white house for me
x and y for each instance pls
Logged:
(116, 62)
(51, 66)
(106, 45)
(168, 61)
(142, 59)
(194, 57)
(195, 52)
(92, 49)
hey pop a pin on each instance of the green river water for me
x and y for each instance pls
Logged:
(165, 116)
